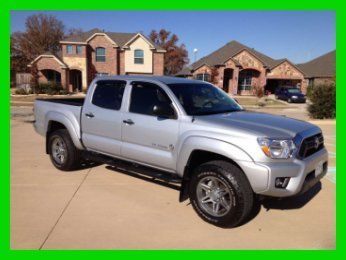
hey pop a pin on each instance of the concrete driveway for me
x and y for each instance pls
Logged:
(100, 207)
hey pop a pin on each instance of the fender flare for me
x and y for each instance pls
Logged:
(70, 126)
(208, 144)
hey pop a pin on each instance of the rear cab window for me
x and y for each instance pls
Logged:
(108, 94)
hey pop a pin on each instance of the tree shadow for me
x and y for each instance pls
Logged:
(288, 203)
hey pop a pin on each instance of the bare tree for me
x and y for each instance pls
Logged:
(43, 33)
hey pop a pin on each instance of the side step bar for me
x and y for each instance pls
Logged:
(133, 168)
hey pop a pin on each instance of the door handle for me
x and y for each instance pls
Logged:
(128, 122)
(89, 115)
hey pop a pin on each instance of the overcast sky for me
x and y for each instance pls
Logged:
(298, 36)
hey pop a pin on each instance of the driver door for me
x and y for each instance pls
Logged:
(147, 138)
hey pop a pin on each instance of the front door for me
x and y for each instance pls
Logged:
(147, 138)
(101, 117)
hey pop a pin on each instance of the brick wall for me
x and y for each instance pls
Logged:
(45, 63)
(158, 63)
(110, 66)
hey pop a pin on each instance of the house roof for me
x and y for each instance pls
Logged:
(57, 56)
(119, 38)
(221, 55)
(322, 66)
(229, 50)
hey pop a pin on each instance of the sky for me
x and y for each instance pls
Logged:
(298, 36)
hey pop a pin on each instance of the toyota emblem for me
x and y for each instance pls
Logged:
(317, 142)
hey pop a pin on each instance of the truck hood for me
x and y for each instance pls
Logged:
(260, 124)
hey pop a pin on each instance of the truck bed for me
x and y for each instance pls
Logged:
(64, 110)
(66, 101)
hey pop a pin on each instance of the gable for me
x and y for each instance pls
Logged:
(247, 60)
(138, 44)
(202, 69)
(285, 69)
(97, 35)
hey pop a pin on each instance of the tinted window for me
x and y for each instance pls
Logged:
(109, 94)
(203, 99)
(145, 96)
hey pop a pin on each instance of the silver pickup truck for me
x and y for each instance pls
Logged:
(223, 156)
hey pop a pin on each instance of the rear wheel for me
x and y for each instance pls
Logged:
(63, 154)
(221, 194)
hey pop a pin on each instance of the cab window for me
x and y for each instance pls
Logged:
(109, 94)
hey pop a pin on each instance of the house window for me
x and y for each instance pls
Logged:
(139, 57)
(69, 49)
(245, 80)
(203, 77)
(100, 54)
(79, 49)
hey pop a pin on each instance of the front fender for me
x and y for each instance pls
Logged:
(209, 144)
(72, 126)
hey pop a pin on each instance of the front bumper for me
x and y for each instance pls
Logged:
(298, 100)
(301, 173)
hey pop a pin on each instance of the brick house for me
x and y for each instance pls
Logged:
(87, 55)
(321, 70)
(239, 70)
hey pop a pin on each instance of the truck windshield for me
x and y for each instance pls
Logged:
(203, 99)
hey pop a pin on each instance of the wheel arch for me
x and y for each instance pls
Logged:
(55, 121)
(198, 150)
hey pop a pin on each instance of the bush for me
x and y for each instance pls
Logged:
(323, 101)
(48, 88)
(21, 91)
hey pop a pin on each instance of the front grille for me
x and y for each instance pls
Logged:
(311, 145)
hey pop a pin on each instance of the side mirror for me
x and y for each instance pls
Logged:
(163, 110)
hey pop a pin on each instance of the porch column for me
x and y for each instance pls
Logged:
(64, 78)
(304, 85)
(234, 86)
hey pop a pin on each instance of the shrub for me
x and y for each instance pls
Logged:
(323, 101)
(258, 91)
(48, 88)
(21, 91)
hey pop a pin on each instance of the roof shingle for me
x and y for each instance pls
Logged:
(119, 38)
(322, 66)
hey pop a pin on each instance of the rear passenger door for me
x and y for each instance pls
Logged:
(148, 138)
(101, 117)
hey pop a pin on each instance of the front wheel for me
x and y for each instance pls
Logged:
(63, 154)
(289, 100)
(221, 194)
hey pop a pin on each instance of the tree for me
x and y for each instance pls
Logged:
(176, 56)
(43, 33)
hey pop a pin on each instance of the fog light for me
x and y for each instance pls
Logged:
(281, 182)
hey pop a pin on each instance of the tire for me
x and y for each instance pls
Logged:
(276, 97)
(289, 100)
(238, 194)
(60, 143)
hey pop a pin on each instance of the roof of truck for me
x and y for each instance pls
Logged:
(163, 79)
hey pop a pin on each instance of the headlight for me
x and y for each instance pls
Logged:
(294, 96)
(277, 148)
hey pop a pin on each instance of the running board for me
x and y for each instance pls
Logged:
(133, 168)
